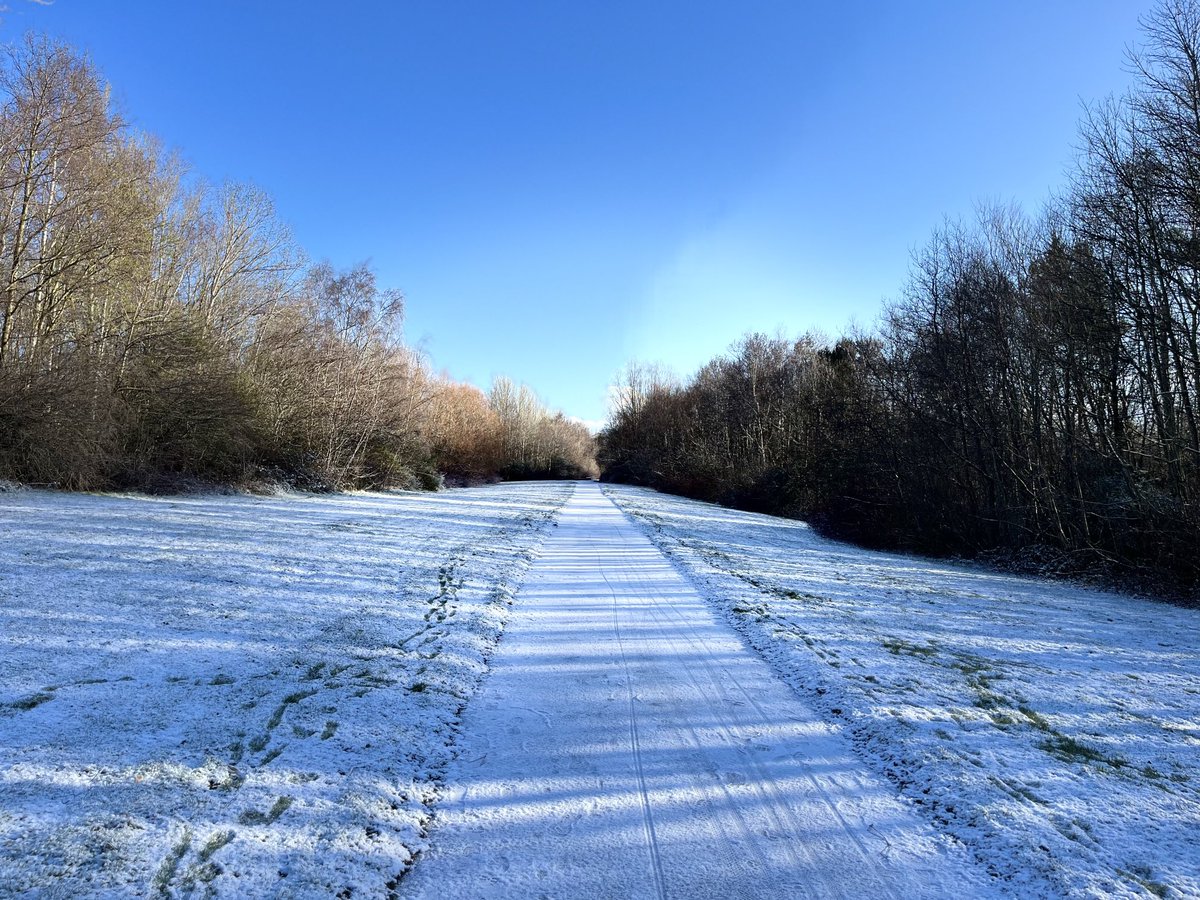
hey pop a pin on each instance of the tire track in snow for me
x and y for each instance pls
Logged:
(766, 785)
(703, 652)
(771, 798)
(748, 838)
(636, 749)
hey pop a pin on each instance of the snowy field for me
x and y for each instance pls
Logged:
(1055, 731)
(241, 696)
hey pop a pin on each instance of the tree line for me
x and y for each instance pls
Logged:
(157, 330)
(1033, 394)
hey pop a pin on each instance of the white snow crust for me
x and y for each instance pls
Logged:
(263, 696)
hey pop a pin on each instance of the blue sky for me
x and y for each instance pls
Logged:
(560, 187)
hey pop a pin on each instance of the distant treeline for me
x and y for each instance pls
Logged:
(157, 330)
(1033, 394)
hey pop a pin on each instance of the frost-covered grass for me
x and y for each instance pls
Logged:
(1054, 730)
(236, 695)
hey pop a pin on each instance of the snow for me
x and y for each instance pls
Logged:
(1053, 730)
(629, 744)
(263, 696)
(237, 695)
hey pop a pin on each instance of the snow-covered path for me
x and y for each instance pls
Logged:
(628, 744)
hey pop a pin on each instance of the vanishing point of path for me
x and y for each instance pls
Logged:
(628, 744)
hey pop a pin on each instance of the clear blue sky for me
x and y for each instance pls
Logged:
(559, 187)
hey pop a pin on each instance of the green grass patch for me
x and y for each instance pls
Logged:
(898, 647)
(276, 717)
(254, 817)
(1029, 795)
(1144, 876)
(1068, 749)
(279, 807)
(1034, 718)
(161, 885)
(204, 873)
(969, 664)
(215, 843)
(33, 700)
(281, 709)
